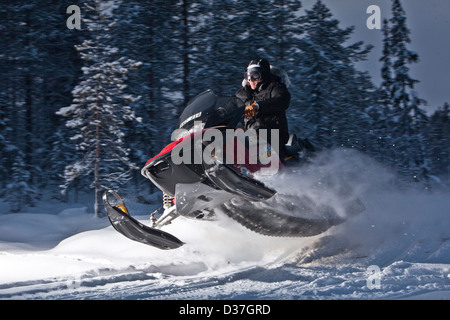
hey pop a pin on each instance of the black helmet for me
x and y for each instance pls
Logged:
(261, 66)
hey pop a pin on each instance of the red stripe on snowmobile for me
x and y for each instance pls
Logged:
(166, 149)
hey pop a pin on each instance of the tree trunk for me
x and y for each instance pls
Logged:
(97, 190)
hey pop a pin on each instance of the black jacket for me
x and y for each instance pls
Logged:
(273, 99)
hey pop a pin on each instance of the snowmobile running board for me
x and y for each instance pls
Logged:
(121, 220)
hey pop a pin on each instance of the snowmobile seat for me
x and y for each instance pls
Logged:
(297, 149)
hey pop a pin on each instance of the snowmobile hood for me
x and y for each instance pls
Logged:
(165, 150)
(211, 110)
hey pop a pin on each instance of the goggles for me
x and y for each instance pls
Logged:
(253, 76)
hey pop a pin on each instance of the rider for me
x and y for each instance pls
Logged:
(266, 99)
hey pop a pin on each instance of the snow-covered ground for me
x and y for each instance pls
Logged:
(399, 248)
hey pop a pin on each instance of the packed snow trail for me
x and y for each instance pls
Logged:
(399, 248)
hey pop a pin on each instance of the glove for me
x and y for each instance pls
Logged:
(251, 110)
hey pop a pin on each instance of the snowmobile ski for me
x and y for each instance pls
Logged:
(121, 220)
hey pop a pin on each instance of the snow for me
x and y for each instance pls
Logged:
(399, 248)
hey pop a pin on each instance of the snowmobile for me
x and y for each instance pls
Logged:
(213, 167)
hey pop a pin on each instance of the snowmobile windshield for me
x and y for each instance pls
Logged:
(211, 110)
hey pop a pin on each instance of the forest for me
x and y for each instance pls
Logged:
(84, 109)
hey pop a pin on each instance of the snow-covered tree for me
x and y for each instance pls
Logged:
(99, 111)
(282, 47)
(382, 114)
(403, 110)
(439, 143)
(3, 140)
(15, 175)
(145, 32)
(333, 97)
(286, 28)
(215, 40)
(386, 68)
(18, 191)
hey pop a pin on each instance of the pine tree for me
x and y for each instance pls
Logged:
(254, 18)
(21, 97)
(98, 111)
(3, 139)
(404, 115)
(18, 191)
(215, 63)
(285, 30)
(383, 115)
(439, 143)
(145, 31)
(15, 185)
(283, 49)
(18, 62)
(333, 99)
(58, 72)
(36, 76)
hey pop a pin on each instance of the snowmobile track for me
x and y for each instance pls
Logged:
(268, 222)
